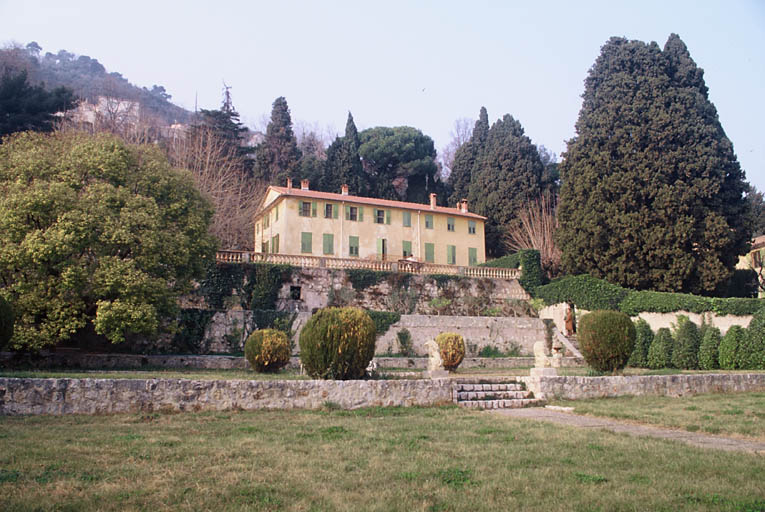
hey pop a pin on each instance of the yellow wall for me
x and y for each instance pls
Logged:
(290, 225)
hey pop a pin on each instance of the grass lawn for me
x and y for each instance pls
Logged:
(736, 414)
(429, 459)
(155, 373)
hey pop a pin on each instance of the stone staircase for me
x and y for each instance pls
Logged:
(494, 394)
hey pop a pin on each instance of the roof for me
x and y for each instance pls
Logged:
(385, 203)
(758, 242)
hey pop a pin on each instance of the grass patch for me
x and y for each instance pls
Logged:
(373, 459)
(157, 373)
(732, 414)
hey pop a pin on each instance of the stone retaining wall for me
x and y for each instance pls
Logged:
(578, 388)
(420, 363)
(98, 396)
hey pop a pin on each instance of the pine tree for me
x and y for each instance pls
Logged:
(652, 195)
(278, 157)
(343, 166)
(465, 159)
(507, 175)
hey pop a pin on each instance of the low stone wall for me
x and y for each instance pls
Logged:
(578, 388)
(98, 396)
(420, 363)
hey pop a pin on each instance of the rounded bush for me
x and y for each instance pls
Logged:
(685, 353)
(607, 339)
(337, 343)
(751, 354)
(727, 356)
(710, 348)
(643, 339)
(660, 351)
(6, 322)
(267, 350)
(451, 346)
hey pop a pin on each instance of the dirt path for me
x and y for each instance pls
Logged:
(693, 438)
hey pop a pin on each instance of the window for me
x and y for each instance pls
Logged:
(472, 256)
(257, 228)
(429, 253)
(328, 243)
(353, 246)
(757, 259)
(450, 223)
(276, 213)
(406, 245)
(382, 249)
(330, 212)
(266, 220)
(295, 292)
(305, 209)
(407, 219)
(264, 247)
(354, 213)
(428, 221)
(379, 216)
(471, 227)
(451, 255)
(306, 242)
(275, 244)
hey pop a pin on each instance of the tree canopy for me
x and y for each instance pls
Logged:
(343, 165)
(278, 157)
(30, 107)
(652, 195)
(465, 159)
(95, 236)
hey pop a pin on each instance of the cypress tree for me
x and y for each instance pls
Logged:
(506, 176)
(710, 348)
(685, 353)
(278, 157)
(465, 159)
(652, 195)
(728, 354)
(343, 166)
(643, 339)
(660, 351)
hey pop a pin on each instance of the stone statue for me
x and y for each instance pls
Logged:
(540, 355)
(435, 364)
(557, 354)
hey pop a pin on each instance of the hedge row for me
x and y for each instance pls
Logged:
(528, 260)
(589, 293)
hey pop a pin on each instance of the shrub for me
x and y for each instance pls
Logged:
(751, 354)
(405, 347)
(507, 261)
(685, 351)
(607, 339)
(337, 343)
(584, 291)
(729, 346)
(643, 339)
(660, 352)
(452, 349)
(6, 322)
(382, 320)
(267, 350)
(531, 269)
(710, 348)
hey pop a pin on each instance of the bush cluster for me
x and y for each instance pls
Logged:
(6, 322)
(452, 349)
(709, 352)
(337, 343)
(643, 339)
(267, 350)
(529, 261)
(660, 351)
(607, 339)
(685, 352)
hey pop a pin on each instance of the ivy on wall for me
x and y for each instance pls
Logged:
(383, 320)
(256, 284)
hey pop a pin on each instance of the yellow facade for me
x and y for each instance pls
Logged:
(303, 222)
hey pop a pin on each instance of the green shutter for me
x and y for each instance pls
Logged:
(329, 243)
(314, 207)
(407, 219)
(347, 212)
(306, 242)
(353, 243)
(361, 213)
(335, 210)
(406, 245)
(387, 216)
(429, 253)
(379, 247)
(451, 255)
(472, 256)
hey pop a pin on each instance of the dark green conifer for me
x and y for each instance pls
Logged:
(343, 165)
(465, 159)
(278, 157)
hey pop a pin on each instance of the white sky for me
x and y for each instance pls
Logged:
(416, 63)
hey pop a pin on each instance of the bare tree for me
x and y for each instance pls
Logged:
(460, 134)
(537, 223)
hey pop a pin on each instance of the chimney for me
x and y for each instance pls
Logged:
(344, 190)
(464, 206)
(289, 183)
(303, 184)
(432, 201)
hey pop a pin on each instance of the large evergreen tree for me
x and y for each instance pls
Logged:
(652, 195)
(507, 175)
(343, 165)
(278, 157)
(27, 107)
(465, 159)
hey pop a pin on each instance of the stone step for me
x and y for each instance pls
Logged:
(502, 404)
(492, 395)
(510, 386)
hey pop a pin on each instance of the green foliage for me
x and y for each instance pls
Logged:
(710, 348)
(382, 320)
(96, 235)
(507, 261)
(442, 280)
(267, 350)
(531, 269)
(343, 165)
(6, 322)
(494, 352)
(466, 157)
(337, 343)
(256, 285)
(643, 339)
(262, 287)
(362, 279)
(507, 173)
(729, 348)
(742, 283)
(272, 319)
(405, 347)
(451, 346)
(751, 353)
(27, 107)
(660, 352)
(189, 336)
(607, 339)
(278, 156)
(583, 291)
(685, 351)
(652, 194)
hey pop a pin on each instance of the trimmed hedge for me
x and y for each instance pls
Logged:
(267, 350)
(383, 320)
(531, 270)
(643, 339)
(607, 339)
(751, 353)
(660, 352)
(507, 261)
(729, 347)
(710, 348)
(685, 352)
(587, 292)
(451, 347)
